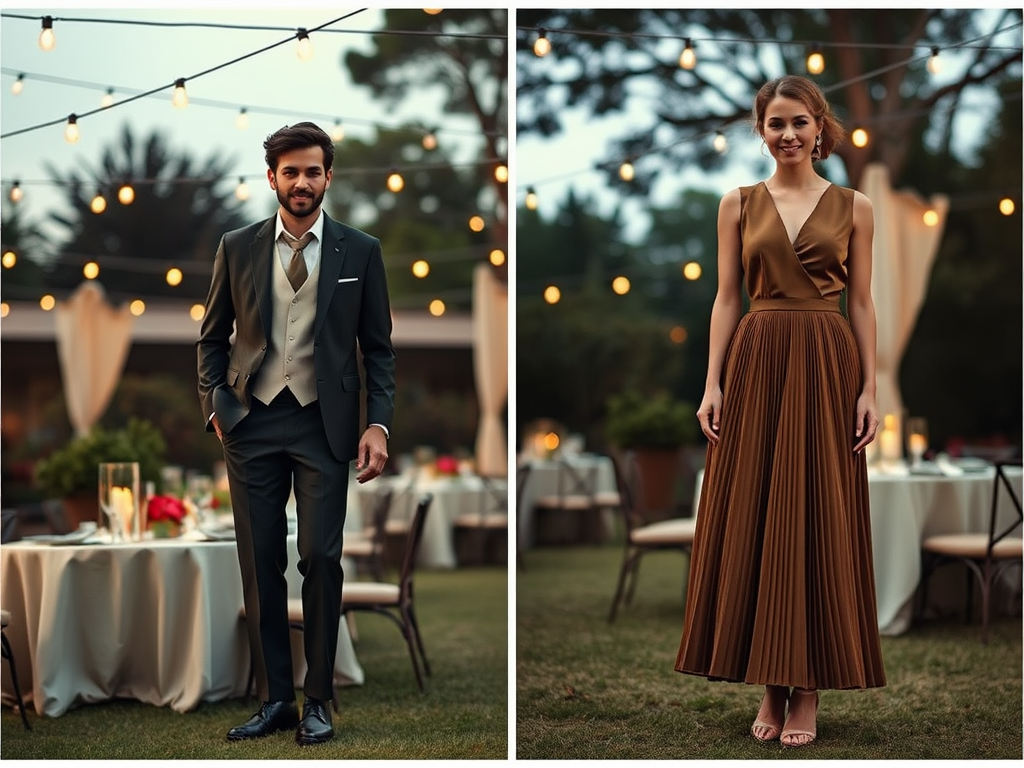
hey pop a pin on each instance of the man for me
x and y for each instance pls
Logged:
(283, 396)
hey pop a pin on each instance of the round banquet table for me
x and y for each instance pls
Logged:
(156, 621)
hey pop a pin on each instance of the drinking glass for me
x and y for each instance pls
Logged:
(119, 499)
(200, 494)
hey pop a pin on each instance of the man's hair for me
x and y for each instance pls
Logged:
(298, 136)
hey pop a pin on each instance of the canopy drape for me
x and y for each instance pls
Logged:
(904, 250)
(93, 339)
(490, 367)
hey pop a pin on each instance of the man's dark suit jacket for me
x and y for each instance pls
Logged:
(352, 314)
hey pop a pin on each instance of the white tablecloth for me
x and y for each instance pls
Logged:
(156, 621)
(543, 481)
(906, 509)
(453, 497)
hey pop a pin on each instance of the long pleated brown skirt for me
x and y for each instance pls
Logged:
(781, 586)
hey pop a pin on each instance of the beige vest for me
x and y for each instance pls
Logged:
(289, 359)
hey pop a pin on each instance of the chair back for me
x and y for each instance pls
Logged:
(522, 475)
(625, 475)
(576, 481)
(494, 496)
(379, 519)
(412, 545)
(8, 524)
(1002, 479)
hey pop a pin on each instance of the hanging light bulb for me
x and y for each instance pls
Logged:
(436, 308)
(930, 218)
(242, 190)
(934, 62)
(476, 223)
(859, 138)
(16, 192)
(542, 46)
(815, 61)
(429, 141)
(10, 258)
(337, 133)
(626, 171)
(91, 270)
(421, 268)
(432, 11)
(242, 120)
(98, 204)
(173, 276)
(305, 49)
(1006, 206)
(687, 59)
(552, 294)
(197, 312)
(395, 182)
(720, 143)
(137, 307)
(501, 173)
(47, 40)
(531, 199)
(108, 98)
(47, 302)
(126, 194)
(71, 134)
(18, 85)
(179, 98)
(496, 257)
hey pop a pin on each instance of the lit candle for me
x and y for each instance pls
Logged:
(889, 439)
(122, 503)
(918, 444)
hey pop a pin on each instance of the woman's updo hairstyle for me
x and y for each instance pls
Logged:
(806, 91)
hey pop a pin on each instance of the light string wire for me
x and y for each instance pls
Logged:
(130, 99)
(609, 164)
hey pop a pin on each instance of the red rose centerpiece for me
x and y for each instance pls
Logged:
(447, 466)
(164, 515)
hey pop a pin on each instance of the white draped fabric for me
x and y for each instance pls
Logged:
(490, 365)
(904, 249)
(92, 344)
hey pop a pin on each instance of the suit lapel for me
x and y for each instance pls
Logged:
(261, 254)
(332, 255)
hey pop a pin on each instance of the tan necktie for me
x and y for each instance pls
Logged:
(297, 266)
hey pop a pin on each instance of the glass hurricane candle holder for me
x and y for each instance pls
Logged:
(119, 500)
(917, 439)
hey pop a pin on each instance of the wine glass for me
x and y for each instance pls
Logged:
(119, 499)
(917, 439)
(200, 494)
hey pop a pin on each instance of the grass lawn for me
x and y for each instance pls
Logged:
(463, 714)
(589, 690)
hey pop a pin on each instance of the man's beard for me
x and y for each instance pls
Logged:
(298, 208)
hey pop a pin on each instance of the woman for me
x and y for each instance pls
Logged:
(781, 590)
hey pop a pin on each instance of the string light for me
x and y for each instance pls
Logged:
(137, 307)
(10, 259)
(126, 195)
(173, 276)
(720, 143)
(437, 308)
(337, 132)
(421, 268)
(47, 302)
(242, 190)
(71, 133)
(242, 121)
(626, 171)
(934, 63)
(542, 46)
(692, 270)
(677, 335)
(197, 312)
(531, 199)
(305, 48)
(688, 58)
(552, 295)
(179, 98)
(1006, 206)
(91, 270)
(620, 285)
(18, 85)
(931, 218)
(98, 204)
(395, 182)
(47, 40)
(816, 61)
(476, 223)
(5, 309)
(108, 98)
(501, 173)
(429, 141)
(433, 11)
(497, 257)
(16, 192)
(859, 138)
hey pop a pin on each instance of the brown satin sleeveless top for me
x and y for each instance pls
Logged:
(812, 267)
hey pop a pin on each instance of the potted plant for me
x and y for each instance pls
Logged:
(654, 428)
(71, 473)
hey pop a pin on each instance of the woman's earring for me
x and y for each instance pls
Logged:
(816, 152)
(764, 146)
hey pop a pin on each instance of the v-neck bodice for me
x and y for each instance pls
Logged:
(811, 266)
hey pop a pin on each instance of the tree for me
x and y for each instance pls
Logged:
(874, 73)
(176, 219)
(27, 242)
(471, 72)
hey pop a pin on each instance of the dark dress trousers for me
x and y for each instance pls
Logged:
(271, 448)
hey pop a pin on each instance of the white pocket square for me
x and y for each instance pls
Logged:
(347, 279)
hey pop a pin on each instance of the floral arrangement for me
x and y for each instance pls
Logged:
(164, 515)
(447, 465)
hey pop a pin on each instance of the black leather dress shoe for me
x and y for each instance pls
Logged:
(273, 716)
(315, 727)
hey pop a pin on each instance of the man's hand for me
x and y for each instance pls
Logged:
(373, 454)
(216, 427)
